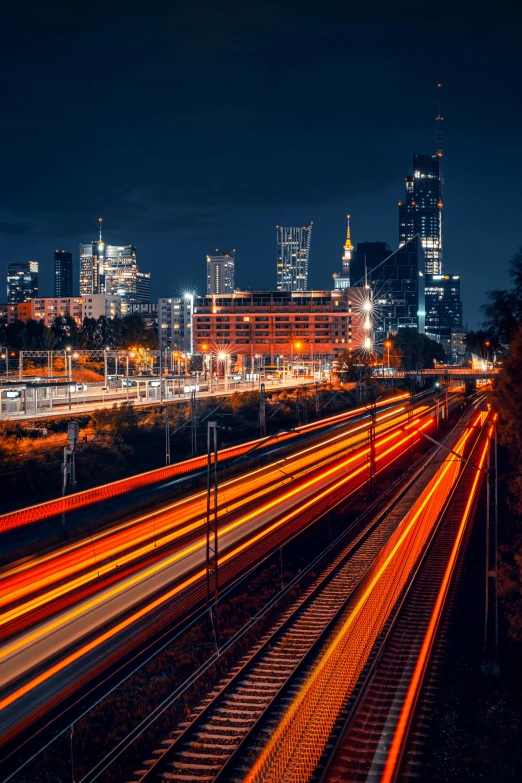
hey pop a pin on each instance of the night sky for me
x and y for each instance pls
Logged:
(196, 126)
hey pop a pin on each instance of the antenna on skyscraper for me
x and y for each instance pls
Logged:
(100, 221)
(439, 118)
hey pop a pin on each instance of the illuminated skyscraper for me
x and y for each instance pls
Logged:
(22, 281)
(92, 279)
(421, 211)
(111, 269)
(221, 272)
(293, 253)
(63, 283)
(343, 280)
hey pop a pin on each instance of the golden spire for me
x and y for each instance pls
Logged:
(348, 244)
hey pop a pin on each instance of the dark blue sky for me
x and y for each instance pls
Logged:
(204, 125)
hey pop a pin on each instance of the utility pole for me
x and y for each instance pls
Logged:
(262, 410)
(167, 437)
(317, 407)
(305, 401)
(194, 447)
(69, 462)
(161, 374)
(371, 455)
(212, 513)
(297, 408)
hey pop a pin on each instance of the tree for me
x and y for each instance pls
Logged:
(416, 349)
(504, 309)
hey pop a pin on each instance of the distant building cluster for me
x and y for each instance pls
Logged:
(405, 288)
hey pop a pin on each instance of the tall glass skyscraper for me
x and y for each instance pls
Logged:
(63, 283)
(293, 253)
(421, 211)
(92, 280)
(22, 281)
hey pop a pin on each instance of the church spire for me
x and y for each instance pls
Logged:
(348, 244)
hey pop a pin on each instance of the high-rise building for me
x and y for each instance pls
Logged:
(343, 280)
(443, 304)
(120, 271)
(109, 269)
(293, 254)
(22, 281)
(142, 287)
(421, 211)
(397, 283)
(221, 272)
(63, 282)
(175, 323)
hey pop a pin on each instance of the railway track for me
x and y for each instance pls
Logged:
(207, 746)
(373, 744)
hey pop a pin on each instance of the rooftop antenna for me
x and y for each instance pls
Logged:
(438, 119)
(100, 221)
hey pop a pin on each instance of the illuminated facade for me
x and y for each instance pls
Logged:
(343, 280)
(174, 323)
(22, 281)
(46, 309)
(63, 282)
(92, 279)
(221, 272)
(272, 323)
(421, 211)
(293, 254)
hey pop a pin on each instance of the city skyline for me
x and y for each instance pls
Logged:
(177, 185)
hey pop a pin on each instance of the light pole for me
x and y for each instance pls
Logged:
(487, 344)
(5, 356)
(222, 356)
(190, 299)
(131, 354)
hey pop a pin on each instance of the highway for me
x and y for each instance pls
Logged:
(66, 613)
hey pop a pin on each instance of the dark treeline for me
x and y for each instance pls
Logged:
(503, 326)
(127, 332)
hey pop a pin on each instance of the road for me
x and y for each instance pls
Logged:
(64, 614)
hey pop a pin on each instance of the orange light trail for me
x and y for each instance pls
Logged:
(422, 661)
(297, 742)
(77, 500)
(13, 590)
(55, 624)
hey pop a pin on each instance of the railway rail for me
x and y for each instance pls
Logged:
(372, 745)
(208, 745)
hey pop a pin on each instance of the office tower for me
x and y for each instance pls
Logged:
(92, 280)
(221, 272)
(443, 304)
(366, 257)
(421, 211)
(343, 280)
(397, 284)
(142, 287)
(22, 281)
(293, 254)
(175, 323)
(63, 283)
(120, 271)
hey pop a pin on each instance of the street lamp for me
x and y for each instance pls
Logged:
(131, 354)
(190, 299)
(222, 356)
(487, 344)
